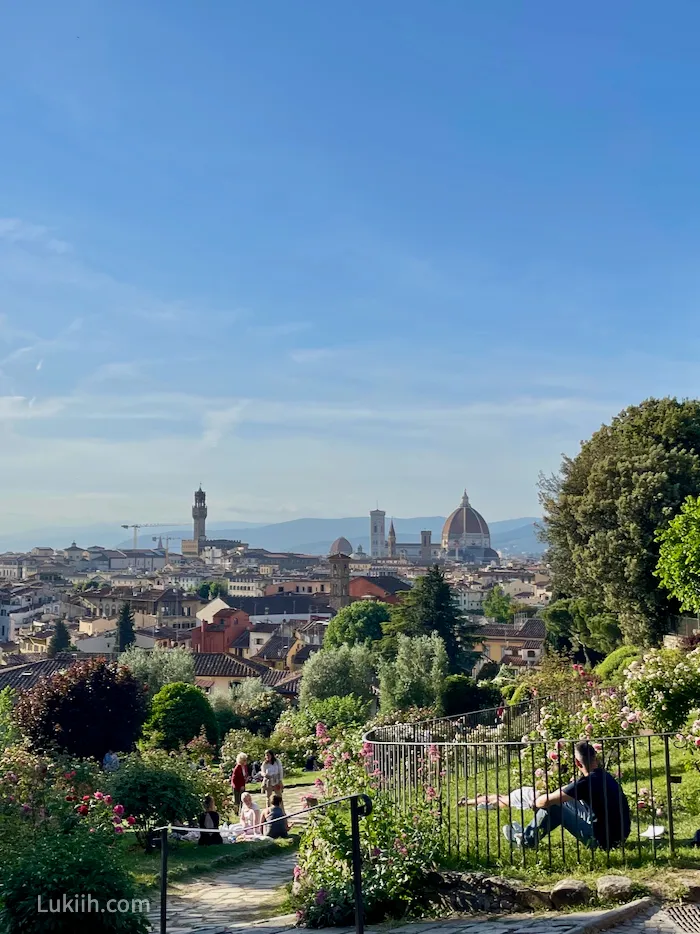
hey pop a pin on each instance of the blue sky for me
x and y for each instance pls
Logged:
(318, 254)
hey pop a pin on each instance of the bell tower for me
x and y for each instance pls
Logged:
(199, 514)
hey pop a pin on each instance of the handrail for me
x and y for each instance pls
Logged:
(360, 806)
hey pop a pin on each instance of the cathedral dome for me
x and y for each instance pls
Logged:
(465, 527)
(341, 546)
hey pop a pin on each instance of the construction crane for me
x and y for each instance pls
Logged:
(167, 540)
(145, 525)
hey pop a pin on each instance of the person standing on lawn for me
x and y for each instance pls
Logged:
(593, 808)
(239, 776)
(272, 774)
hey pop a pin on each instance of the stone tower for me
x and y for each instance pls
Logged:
(391, 541)
(340, 580)
(426, 546)
(377, 533)
(199, 514)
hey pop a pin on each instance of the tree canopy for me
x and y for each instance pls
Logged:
(88, 709)
(415, 677)
(336, 672)
(60, 640)
(179, 712)
(158, 666)
(361, 622)
(498, 605)
(575, 624)
(125, 628)
(678, 568)
(430, 606)
(602, 512)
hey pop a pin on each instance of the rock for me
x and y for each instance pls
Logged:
(570, 892)
(614, 888)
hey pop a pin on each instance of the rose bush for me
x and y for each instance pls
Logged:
(398, 848)
(665, 687)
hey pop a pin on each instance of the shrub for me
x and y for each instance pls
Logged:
(157, 789)
(616, 663)
(461, 694)
(556, 675)
(179, 712)
(63, 865)
(257, 707)
(398, 847)
(243, 741)
(665, 686)
(295, 734)
(84, 711)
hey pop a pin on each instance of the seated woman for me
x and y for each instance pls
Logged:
(280, 827)
(208, 821)
(250, 816)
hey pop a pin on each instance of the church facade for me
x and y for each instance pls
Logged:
(465, 538)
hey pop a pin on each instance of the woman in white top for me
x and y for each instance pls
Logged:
(272, 774)
(250, 815)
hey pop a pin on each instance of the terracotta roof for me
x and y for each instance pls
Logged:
(532, 629)
(220, 665)
(242, 641)
(533, 644)
(388, 582)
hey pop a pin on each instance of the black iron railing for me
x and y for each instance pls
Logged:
(477, 788)
(360, 806)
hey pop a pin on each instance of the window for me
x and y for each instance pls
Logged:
(531, 653)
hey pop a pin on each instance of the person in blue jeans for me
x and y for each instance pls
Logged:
(593, 808)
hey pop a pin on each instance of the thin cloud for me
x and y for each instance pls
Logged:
(284, 329)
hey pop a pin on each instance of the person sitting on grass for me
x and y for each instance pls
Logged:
(250, 815)
(280, 827)
(593, 808)
(209, 820)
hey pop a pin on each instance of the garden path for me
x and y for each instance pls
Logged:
(235, 897)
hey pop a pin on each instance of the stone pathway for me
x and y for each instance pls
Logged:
(655, 921)
(222, 900)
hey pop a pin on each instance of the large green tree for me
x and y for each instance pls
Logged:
(84, 711)
(679, 556)
(430, 606)
(361, 622)
(575, 624)
(416, 676)
(498, 605)
(337, 672)
(159, 666)
(125, 628)
(603, 510)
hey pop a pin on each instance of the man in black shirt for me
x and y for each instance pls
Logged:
(593, 808)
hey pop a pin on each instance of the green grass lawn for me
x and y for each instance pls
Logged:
(475, 838)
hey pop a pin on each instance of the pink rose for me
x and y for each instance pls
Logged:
(107, 799)
(119, 810)
(119, 830)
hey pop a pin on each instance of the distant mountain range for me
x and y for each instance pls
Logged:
(308, 536)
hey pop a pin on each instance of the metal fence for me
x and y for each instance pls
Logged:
(478, 785)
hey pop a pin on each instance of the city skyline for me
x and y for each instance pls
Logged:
(317, 279)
